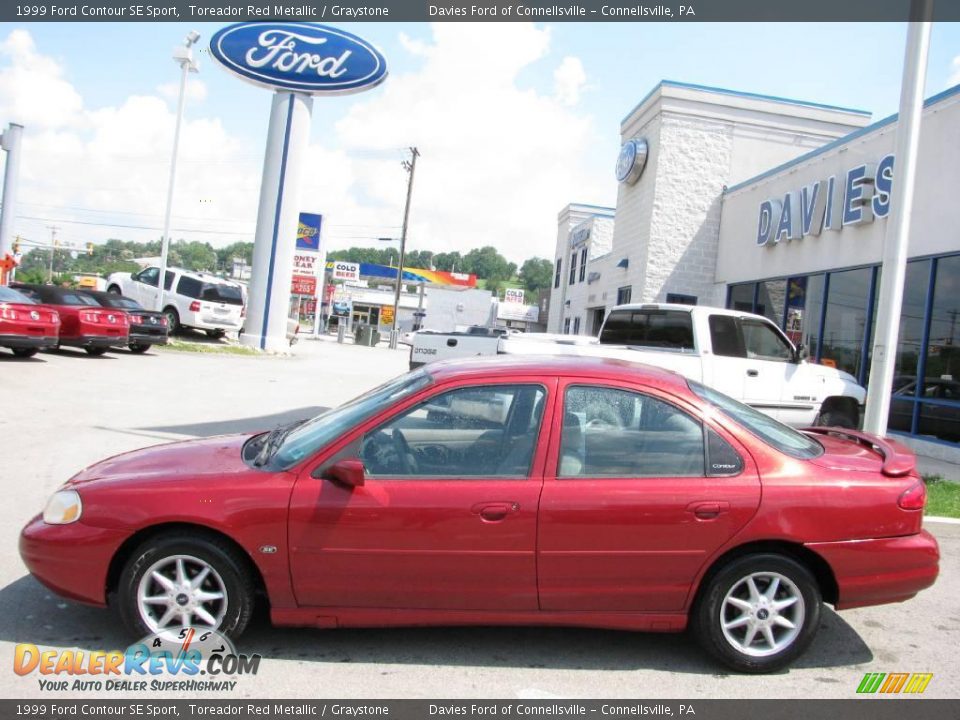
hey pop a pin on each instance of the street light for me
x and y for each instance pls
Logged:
(183, 56)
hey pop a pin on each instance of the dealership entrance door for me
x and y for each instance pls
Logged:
(596, 316)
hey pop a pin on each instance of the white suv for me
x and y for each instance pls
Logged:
(190, 299)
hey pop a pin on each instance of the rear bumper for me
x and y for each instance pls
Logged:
(71, 560)
(28, 341)
(94, 341)
(884, 570)
(226, 324)
(147, 338)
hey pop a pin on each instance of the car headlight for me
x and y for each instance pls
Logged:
(63, 508)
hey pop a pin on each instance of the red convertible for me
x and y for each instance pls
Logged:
(548, 491)
(26, 326)
(83, 322)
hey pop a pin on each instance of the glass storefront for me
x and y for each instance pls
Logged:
(834, 315)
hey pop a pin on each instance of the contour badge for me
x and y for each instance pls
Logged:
(632, 160)
(303, 57)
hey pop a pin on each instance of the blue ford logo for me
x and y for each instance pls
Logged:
(304, 57)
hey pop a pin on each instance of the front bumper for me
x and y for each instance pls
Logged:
(28, 341)
(72, 560)
(883, 570)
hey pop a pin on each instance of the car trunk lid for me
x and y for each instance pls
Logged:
(855, 450)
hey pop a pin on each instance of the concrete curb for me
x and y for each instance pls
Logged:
(945, 520)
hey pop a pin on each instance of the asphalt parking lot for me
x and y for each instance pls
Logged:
(63, 411)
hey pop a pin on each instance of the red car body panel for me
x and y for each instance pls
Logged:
(617, 553)
(28, 326)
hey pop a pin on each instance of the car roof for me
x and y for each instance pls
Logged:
(692, 309)
(599, 368)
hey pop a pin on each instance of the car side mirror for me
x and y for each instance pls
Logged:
(801, 353)
(349, 473)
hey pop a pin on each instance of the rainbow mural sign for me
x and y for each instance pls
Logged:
(416, 275)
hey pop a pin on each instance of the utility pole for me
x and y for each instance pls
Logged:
(53, 250)
(410, 166)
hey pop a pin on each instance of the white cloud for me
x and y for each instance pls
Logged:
(196, 90)
(568, 80)
(498, 162)
(954, 72)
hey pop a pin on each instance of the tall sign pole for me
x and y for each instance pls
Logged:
(9, 141)
(411, 167)
(896, 242)
(298, 61)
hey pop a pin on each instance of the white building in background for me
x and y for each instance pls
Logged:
(779, 207)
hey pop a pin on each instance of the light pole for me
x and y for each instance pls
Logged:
(183, 56)
(410, 166)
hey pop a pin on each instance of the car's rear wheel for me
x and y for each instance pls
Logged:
(24, 352)
(95, 351)
(216, 334)
(173, 320)
(758, 613)
(138, 348)
(185, 581)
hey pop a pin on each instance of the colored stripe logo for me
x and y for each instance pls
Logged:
(893, 683)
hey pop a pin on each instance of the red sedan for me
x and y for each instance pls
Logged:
(26, 326)
(83, 322)
(549, 491)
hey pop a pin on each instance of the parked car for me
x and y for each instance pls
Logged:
(741, 354)
(83, 323)
(940, 418)
(25, 325)
(190, 299)
(549, 491)
(147, 327)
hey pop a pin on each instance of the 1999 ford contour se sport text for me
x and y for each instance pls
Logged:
(537, 490)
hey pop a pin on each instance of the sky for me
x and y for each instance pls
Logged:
(513, 122)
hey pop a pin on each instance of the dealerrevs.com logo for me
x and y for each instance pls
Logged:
(894, 683)
(184, 660)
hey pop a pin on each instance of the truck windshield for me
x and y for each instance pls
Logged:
(319, 432)
(776, 434)
(670, 329)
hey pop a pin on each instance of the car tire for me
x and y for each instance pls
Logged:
(727, 636)
(216, 334)
(114, 290)
(836, 418)
(139, 349)
(95, 351)
(173, 320)
(227, 574)
(24, 352)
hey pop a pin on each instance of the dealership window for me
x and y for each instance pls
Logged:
(487, 431)
(741, 297)
(576, 325)
(615, 433)
(845, 322)
(583, 264)
(912, 322)
(804, 311)
(681, 299)
(624, 294)
(573, 268)
(771, 299)
(556, 277)
(566, 326)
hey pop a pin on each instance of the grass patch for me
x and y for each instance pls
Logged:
(209, 348)
(943, 497)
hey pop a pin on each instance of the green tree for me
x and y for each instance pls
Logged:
(488, 264)
(536, 274)
(448, 262)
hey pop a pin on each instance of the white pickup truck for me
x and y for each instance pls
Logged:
(740, 354)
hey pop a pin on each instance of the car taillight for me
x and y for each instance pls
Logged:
(137, 319)
(90, 317)
(243, 311)
(163, 320)
(914, 498)
(8, 314)
(195, 306)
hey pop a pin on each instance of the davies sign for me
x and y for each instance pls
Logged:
(854, 198)
(302, 57)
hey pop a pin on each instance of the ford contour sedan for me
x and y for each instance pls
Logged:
(541, 491)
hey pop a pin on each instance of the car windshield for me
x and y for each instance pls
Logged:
(315, 434)
(9, 295)
(774, 433)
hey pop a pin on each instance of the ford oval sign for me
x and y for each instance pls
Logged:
(302, 57)
(632, 160)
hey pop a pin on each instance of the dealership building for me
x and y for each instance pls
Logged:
(779, 207)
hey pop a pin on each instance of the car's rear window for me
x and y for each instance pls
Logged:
(774, 433)
(668, 329)
(210, 291)
(9, 295)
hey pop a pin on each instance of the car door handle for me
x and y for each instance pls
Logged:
(494, 512)
(708, 510)
(753, 373)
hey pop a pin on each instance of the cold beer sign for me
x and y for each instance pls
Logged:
(853, 198)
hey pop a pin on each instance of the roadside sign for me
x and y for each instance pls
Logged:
(303, 285)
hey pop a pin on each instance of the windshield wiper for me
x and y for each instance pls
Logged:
(273, 441)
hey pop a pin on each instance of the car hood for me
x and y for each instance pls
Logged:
(212, 457)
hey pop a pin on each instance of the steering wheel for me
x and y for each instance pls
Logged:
(407, 462)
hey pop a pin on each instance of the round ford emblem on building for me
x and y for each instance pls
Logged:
(302, 57)
(632, 160)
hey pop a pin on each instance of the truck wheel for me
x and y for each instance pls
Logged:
(114, 290)
(836, 418)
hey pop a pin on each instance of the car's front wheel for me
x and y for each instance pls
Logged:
(758, 613)
(186, 581)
